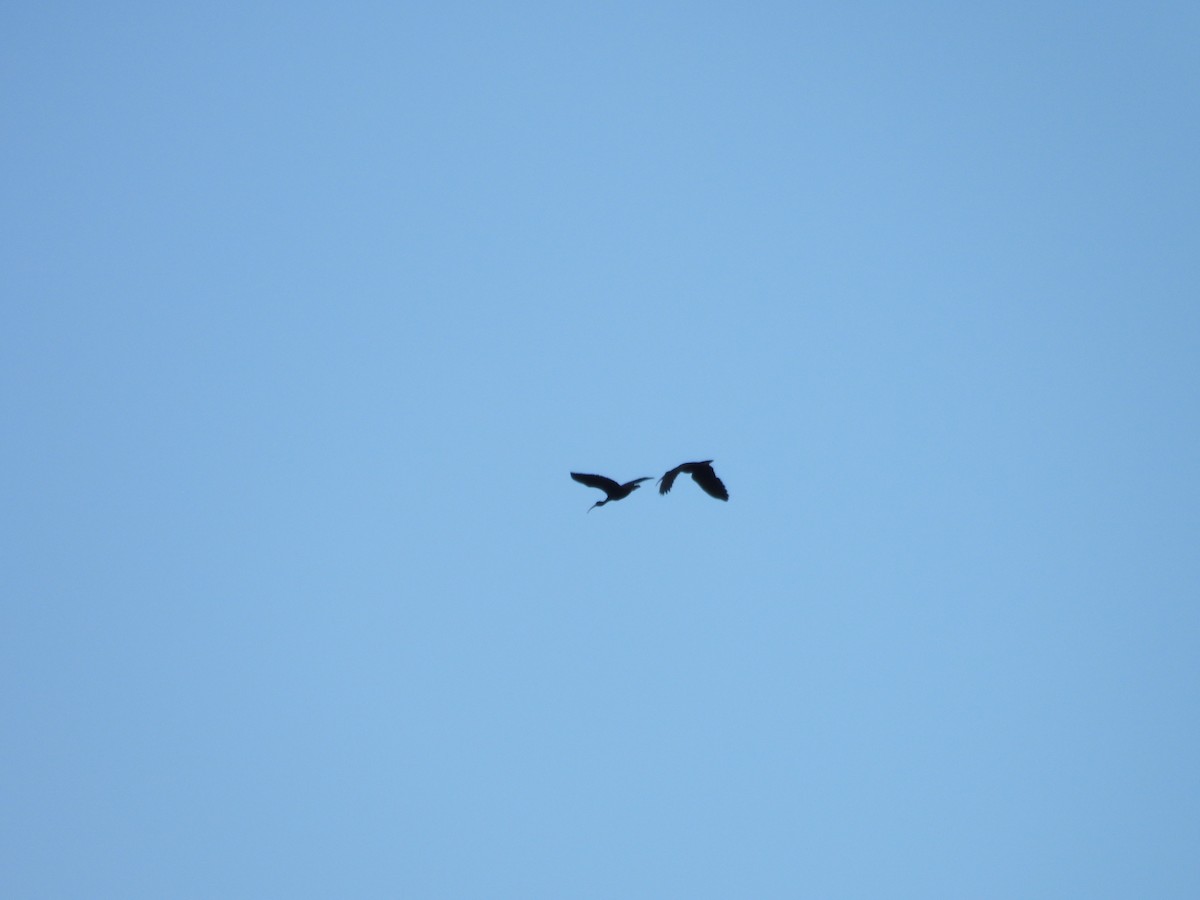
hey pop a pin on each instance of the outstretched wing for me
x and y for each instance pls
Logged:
(597, 481)
(668, 481)
(708, 480)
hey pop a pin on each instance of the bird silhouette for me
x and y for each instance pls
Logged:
(611, 488)
(702, 473)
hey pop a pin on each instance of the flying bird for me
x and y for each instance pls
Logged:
(611, 488)
(702, 473)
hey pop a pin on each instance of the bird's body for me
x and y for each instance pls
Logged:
(612, 489)
(702, 473)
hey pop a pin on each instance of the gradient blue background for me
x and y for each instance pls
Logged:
(309, 309)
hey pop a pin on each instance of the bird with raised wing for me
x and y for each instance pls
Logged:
(612, 490)
(702, 473)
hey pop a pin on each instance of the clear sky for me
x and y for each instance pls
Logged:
(309, 309)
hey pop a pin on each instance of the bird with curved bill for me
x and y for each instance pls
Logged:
(613, 490)
(702, 473)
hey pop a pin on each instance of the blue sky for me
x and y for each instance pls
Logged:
(310, 309)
